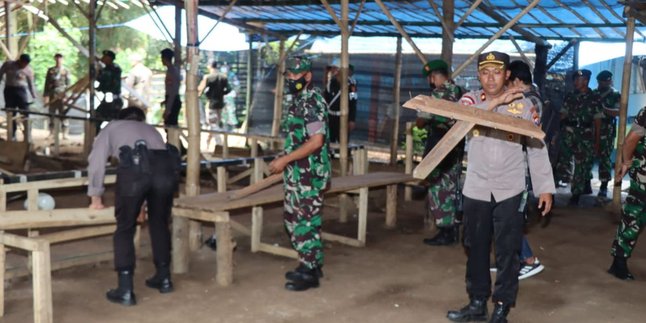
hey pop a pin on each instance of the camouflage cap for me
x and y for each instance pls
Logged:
(298, 64)
(604, 76)
(494, 58)
(585, 73)
(434, 65)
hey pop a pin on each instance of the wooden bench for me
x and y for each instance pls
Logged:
(215, 208)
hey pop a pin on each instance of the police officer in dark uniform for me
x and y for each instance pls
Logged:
(109, 79)
(332, 96)
(148, 171)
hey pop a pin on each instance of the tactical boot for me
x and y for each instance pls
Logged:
(499, 314)
(603, 190)
(123, 294)
(296, 273)
(445, 237)
(619, 269)
(588, 188)
(574, 200)
(476, 310)
(305, 280)
(161, 279)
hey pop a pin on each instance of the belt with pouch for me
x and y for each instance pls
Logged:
(495, 133)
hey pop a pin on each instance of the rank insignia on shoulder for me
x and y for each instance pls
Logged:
(515, 108)
(476, 132)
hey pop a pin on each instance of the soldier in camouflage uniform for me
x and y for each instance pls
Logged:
(610, 101)
(56, 82)
(109, 79)
(443, 181)
(580, 128)
(633, 216)
(306, 172)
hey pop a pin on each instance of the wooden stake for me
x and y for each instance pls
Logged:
(394, 139)
(224, 253)
(42, 281)
(391, 206)
(256, 228)
(408, 166)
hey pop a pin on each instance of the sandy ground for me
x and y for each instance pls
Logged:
(395, 278)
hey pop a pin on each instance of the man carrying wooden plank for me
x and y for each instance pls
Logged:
(306, 173)
(442, 200)
(19, 90)
(148, 171)
(493, 190)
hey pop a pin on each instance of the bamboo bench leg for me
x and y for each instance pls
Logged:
(195, 235)
(363, 215)
(180, 245)
(391, 206)
(224, 275)
(256, 228)
(2, 272)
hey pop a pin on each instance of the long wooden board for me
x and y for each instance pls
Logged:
(481, 117)
(443, 148)
(222, 202)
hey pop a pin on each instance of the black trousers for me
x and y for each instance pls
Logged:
(133, 187)
(172, 118)
(16, 97)
(502, 221)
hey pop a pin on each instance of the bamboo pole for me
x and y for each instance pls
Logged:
(177, 39)
(521, 52)
(448, 30)
(464, 17)
(504, 29)
(192, 116)
(343, 131)
(447, 7)
(397, 98)
(249, 83)
(408, 166)
(623, 109)
(10, 29)
(90, 129)
(403, 32)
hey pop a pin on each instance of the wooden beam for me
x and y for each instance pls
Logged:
(522, 53)
(23, 243)
(504, 29)
(408, 163)
(448, 38)
(55, 218)
(344, 106)
(560, 54)
(603, 17)
(443, 148)
(333, 15)
(614, 13)
(356, 16)
(623, 109)
(67, 36)
(551, 16)
(448, 30)
(472, 114)
(401, 30)
(279, 89)
(256, 187)
(581, 17)
(394, 139)
(77, 234)
(224, 14)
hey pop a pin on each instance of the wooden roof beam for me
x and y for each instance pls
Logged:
(551, 16)
(578, 15)
(602, 17)
(497, 17)
(616, 15)
(401, 30)
(537, 20)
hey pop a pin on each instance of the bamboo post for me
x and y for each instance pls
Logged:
(397, 98)
(57, 140)
(224, 275)
(2, 275)
(225, 145)
(177, 39)
(391, 206)
(249, 85)
(222, 179)
(258, 170)
(88, 135)
(623, 109)
(278, 96)
(343, 131)
(256, 228)
(448, 13)
(408, 166)
(10, 29)
(497, 35)
(180, 248)
(10, 127)
(192, 117)
(254, 147)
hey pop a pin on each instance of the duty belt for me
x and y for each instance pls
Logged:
(495, 133)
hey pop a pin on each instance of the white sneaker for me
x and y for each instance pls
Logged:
(527, 271)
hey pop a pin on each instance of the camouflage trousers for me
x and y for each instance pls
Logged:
(563, 169)
(578, 146)
(303, 220)
(633, 219)
(607, 145)
(443, 195)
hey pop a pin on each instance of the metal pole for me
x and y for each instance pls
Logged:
(623, 109)
(395, 134)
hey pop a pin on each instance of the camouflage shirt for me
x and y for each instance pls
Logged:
(450, 92)
(56, 81)
(307, 116)
(581, 109)
(638, 168)
(609, 100)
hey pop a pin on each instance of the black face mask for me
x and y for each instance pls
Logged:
(296, 86)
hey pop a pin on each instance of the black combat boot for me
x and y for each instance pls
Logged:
(305, 280)
(445, 237)
(499, 314)
(161, 280)
(476, 310)
(123, 294)
(619, 268)
(574, 200)
(603, 189)
(296, 273)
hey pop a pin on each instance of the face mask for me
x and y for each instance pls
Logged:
(296, 86)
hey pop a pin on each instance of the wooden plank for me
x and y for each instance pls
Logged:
(54, 183)
(220, 201)
(240, 176)
(201, 215)
(443, 148)
(472, 114)
(24, 243)
(42, 285)
(55, 218)
(276, 250)
(240, 228)
(77, 234)
(258, 186)
(224, 254)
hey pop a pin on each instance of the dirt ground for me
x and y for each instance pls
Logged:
(395, 278)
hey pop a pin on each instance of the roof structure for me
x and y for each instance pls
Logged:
(592, 20)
